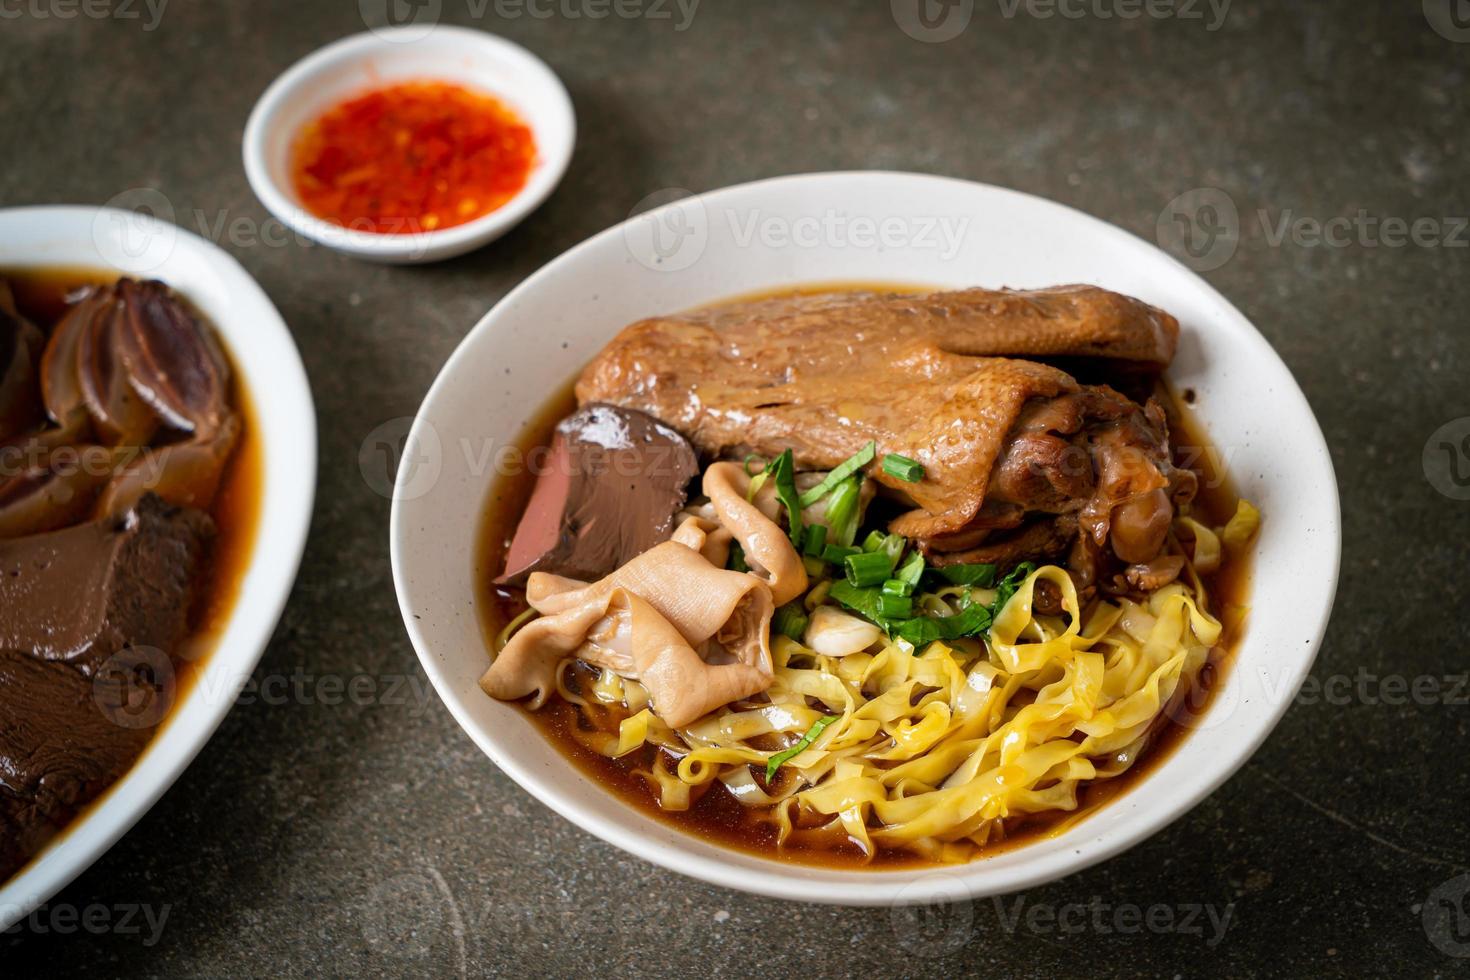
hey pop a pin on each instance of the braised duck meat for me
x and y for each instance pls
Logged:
(82, 593)
(1093, 459)
(21, 343)
(81, 608)
(59, 748)
(1006, 443)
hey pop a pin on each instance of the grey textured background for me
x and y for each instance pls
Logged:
(312, 838)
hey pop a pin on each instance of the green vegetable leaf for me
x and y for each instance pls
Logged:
(981, 575)
(896, 606)
(876, 599)
(970, 621)
(778, 760)
(1010, 584)
(863, 601)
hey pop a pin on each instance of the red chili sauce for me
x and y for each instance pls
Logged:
(412, 157)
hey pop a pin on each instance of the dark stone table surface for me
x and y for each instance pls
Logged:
(313, 839)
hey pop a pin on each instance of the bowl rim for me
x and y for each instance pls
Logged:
(418, 245)
(279, 543)
(872, 887)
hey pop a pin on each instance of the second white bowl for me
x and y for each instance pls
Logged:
(265, 357)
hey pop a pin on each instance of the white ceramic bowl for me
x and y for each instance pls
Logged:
(265, 356)
(863, 226)
(355, 64)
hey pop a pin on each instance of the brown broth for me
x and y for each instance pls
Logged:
(716, 816)
(42, 296)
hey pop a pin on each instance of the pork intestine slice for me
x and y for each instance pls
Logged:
(695, 634)
(655, 620)
(768, 549)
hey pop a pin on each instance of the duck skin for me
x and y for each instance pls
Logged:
(941, 378)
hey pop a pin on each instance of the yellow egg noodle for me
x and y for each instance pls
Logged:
(930, 750)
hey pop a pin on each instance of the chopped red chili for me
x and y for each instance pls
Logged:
(412, 157)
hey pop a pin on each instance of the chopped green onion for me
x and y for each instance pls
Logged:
(778, 760)
(885, 606)
(756, 482)
(908, 470)
(815, 567)
(736, 561)
(790, 620)
(893, 546)
(898, 587)
(972, 620)
(868, 568)
(842, 511)
(783, 472)
(981, 575)
(837, 554)
(911, 571)
(895, 606)
(845, 469)
(815, 540)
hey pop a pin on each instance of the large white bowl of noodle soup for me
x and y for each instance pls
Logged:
(862, 227)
